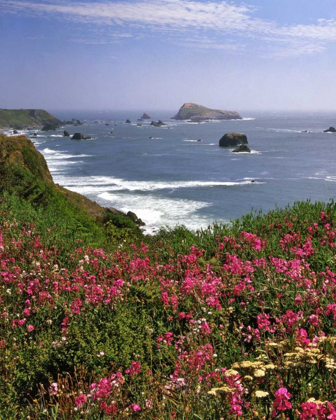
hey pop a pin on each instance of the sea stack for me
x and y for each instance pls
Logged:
(330, 130)
(233, 140)
(145, 116)
(198, 113)
(77, 136)
(158, 123)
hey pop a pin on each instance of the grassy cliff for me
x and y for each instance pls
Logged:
(24, 172)
(21, 118)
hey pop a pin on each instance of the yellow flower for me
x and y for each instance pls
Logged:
(269, 366)
(259, 373)
(231, 372)
(224, 389)
(261, 394)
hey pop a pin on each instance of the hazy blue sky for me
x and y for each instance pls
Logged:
(157, 54)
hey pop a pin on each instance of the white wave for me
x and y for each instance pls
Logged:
(252, 152)
(248, 119)
(56, 135)
(330, 178)
(51, 155)
(157, 211)
(52, 165)
(283, 130)
(193, 141)
(52, 152)
(94, 184)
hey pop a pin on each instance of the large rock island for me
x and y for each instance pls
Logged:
(198, 113)
(23, 118)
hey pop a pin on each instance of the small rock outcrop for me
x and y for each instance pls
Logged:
(135, 219)
(66, 134)
(128, 121)
(243, 148)
(233, 139)
(158, 123)
(49, 127)
(73, 122)
(77, 136)
(330, 130)
(145, 116)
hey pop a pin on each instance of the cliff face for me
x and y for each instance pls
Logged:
(22, 118)
(194, 112)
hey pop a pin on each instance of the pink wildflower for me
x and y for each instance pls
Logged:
(281, 401)
(135, 407)
(80, 400)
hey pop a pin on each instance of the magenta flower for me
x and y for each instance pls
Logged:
(80, 400)
(135, 407)
(135, 369)
(30, 328)
(281, 401)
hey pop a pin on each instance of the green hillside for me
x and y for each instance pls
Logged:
(24, 173)
(21, 118)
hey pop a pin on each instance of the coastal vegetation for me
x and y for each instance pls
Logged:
(98, 321)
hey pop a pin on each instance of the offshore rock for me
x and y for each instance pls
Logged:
(145, 116)
(66, 134)
(330, 130)
(158, 123)
(233, 139)
(128, 121)
(72, 122)
(49, 127)
(199, 113)
(242, 149)
(77, 136)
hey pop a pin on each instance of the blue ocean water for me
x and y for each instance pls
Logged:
(168, 177)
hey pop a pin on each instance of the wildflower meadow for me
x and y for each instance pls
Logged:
(232, 322)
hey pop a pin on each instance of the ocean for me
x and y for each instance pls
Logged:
(168, 178)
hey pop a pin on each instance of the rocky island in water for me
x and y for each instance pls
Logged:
(199, 113)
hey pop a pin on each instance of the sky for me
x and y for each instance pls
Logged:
(158, 54)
